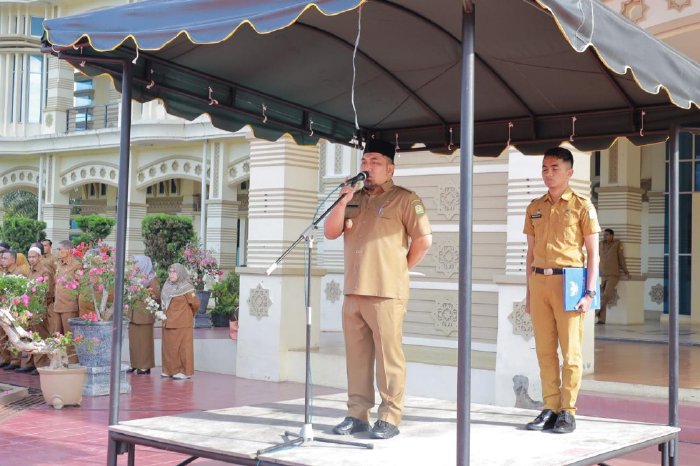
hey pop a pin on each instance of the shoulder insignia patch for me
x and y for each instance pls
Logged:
(419, 209)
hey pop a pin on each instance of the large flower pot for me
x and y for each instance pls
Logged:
(62, 387)
(96, 354)
(202, 319)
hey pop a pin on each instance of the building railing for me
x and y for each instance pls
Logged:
(97, 117)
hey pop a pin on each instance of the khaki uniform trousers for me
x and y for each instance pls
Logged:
(553, 326)
(178, 351)
(58, 322)
(373, 330)
(607, 290)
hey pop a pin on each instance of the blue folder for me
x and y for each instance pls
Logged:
(575, 286)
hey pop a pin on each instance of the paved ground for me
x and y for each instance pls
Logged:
(38, 435)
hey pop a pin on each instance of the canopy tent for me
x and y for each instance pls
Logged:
(436, 75)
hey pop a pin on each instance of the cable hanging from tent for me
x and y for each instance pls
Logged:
(151, 83)
(264, 109)
(354, 69)
(396, 142)
(311, 127)
(510, 126)
(641, 130)
(212, 100)
(573, 129)
(136, 58)
(451, 145)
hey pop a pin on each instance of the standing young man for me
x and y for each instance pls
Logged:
(558, 225)
(612, 260)
(386, 233)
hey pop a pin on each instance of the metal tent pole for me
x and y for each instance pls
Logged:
(465, 237)
(122, 198)
(673, 289)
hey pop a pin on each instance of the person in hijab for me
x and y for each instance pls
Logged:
(141, 319)
(180, 303)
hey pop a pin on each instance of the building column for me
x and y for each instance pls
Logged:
(620, 208)
(282, 201)
(222, 211)
(515, 333)
(56, 211)
(59, 95)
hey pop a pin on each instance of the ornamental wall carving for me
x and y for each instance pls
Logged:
(656, 293)
(259, 302)
(447, 258)
(445, 316)
(79, 175)
(520, 320)
(19, 177)
(333, 291)
(448, 201)
(172, 168)
(238, 172)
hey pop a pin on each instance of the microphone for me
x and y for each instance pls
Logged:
(362, 176)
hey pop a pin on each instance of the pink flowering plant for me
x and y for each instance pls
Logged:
(24, 299)
(201, 264)
(95, 281)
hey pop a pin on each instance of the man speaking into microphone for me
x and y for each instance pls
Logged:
(386, 233)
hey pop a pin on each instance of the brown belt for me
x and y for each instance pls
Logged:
(548, 271)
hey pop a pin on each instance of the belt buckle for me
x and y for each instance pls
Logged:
(548, 271)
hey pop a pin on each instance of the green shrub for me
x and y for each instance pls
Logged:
(94, 228)
(21, 232)
(226, 294)
(165, 236)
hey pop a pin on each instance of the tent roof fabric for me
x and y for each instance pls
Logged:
(287, 67)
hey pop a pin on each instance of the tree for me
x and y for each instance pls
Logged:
(165, 237)
(94, 228)
(21, 204)
(21, 232)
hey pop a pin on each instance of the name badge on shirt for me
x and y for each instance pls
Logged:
(537, 215)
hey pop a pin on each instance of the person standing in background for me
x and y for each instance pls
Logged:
(141, 353)
(612, 261)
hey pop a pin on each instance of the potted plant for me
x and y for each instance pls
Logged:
(202, 267)
(93, 284)
(226, 295)
(21, 306)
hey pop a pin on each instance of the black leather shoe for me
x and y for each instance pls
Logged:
(130, 370)
(545, 421)
(11, 367)
(351, 425)
(35, 372)
(565, 423)
(25, 369)
(384, 430)
(4, 365)
(143, 371)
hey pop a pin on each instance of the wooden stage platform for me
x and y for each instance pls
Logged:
(428, 436)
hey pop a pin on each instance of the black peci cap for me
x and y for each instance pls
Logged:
(381, 147)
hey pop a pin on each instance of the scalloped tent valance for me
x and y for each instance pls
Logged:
(547, 71)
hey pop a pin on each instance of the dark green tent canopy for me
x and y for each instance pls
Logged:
(287, 67)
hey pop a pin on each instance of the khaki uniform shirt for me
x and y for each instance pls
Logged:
(66, 300)
(559, 229)
(181, 311)
(612, 258)
(41, 270)
(15, 269)
(376, 233)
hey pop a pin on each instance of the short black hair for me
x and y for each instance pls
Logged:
(48, 241)
(4, 245)
(610, 230)
(39, 246)
(562, 154)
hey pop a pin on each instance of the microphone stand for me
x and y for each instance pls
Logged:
(307, 434)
